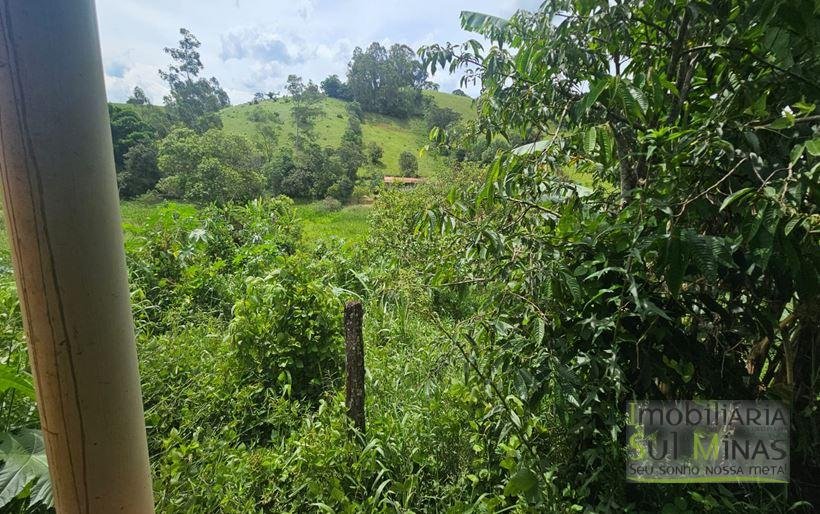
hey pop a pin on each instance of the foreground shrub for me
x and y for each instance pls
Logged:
(330, 204)
(184, 261)
(287, 329)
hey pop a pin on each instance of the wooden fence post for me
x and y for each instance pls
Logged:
(63, 219)
(354, 353)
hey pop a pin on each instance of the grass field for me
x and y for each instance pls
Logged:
(134, 211)
(348, 224)
(461, 104)
(393, 135)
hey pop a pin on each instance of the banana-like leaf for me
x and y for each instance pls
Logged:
(481, 23)
(24, 463)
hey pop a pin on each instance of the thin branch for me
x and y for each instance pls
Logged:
(655, 26)
(533, 205)
(677, 45)
(477, 280)
(805, 119)
(474, 365)
(710, 188)
(757, 58)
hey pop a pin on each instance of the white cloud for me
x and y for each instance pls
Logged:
(119, 88)
(265, 45)
(304, 9)
(252, 45)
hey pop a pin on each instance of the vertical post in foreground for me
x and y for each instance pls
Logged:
(62, 216)
(354, 353)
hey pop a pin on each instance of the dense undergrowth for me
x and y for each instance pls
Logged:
(239, 338)
(243, 403)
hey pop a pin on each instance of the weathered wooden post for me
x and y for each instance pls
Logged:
(62, 216)
(354, 353)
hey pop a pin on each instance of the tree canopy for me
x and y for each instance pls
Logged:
(305, 109)
(209, 167)
(387, 81)
(193, 101)
(333, 87)
(127, 130)
(138, 97)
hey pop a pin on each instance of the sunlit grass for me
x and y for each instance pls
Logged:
(318, 224)
(348, 224)
(461, 104)
(393, 135)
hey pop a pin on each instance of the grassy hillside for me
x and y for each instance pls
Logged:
(394, 135)
(461, 104)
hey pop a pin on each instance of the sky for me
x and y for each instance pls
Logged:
(253, 45)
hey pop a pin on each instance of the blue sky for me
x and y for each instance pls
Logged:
(253, 45)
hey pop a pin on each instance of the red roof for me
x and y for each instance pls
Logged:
(402, 180)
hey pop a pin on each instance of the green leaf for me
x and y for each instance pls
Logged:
(702, 250)
(591, 97)
(782, 123)
(804, 108)
(480, 22)
(639, 98)
(19, 381)
(523, 481)
(685, 369)
(585, 6)
(761, 245)
(573, 286)
(537, 334)
(515, 419)
(813, 146)
(607, 142)
(791, 224)
(24, 463)
(794, 155)
(750, 226)
(647, 307)
(734, 197)
(538, 146)
(753, 140)
(631, 98)
(590, 137)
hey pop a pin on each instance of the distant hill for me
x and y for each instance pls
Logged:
(392, 134)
